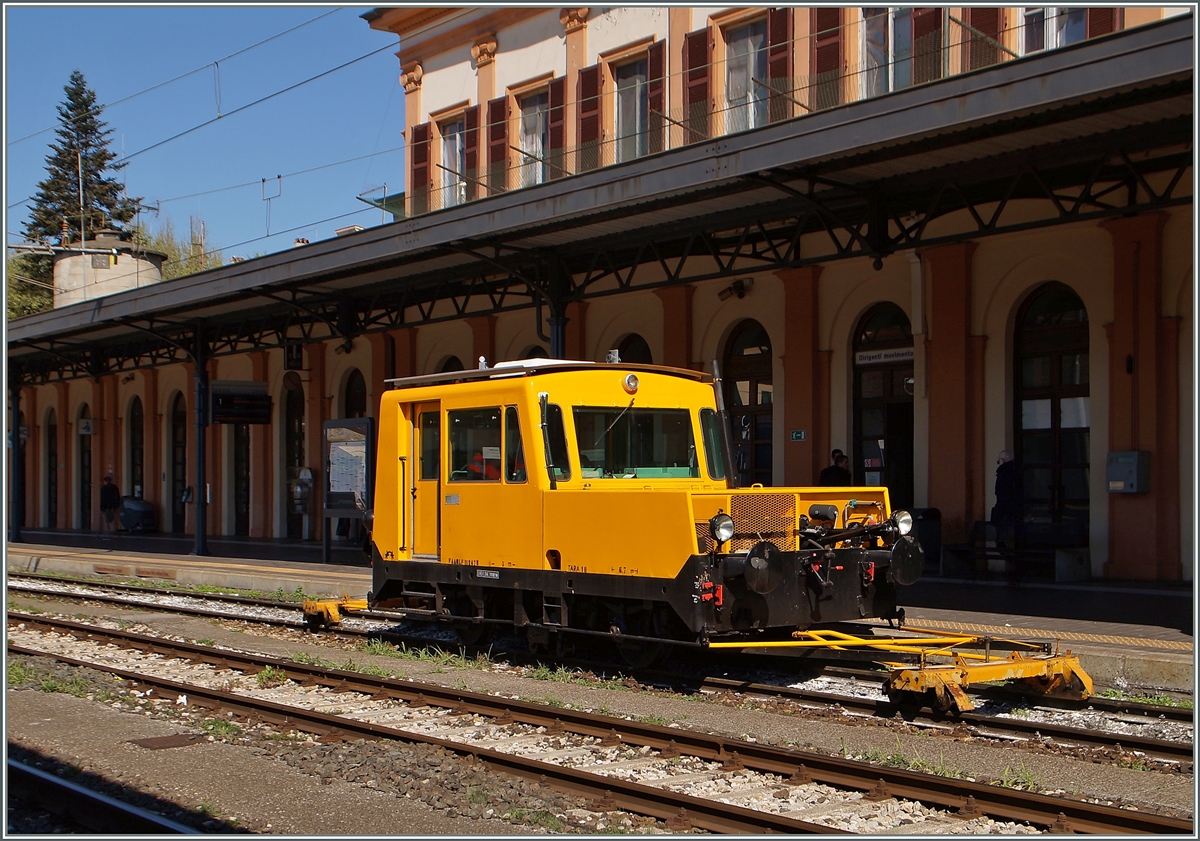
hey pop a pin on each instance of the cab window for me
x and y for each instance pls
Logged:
(710, 426)
(514, 452)
(431, 436)
(558, 442)
(634, 443)
(474, 445)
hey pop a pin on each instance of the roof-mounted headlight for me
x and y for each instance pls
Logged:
(903, 521)
(721, 528)
(630, 383)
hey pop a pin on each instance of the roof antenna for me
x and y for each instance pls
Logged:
(483, 363)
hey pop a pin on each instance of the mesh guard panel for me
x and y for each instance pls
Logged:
(763, 516)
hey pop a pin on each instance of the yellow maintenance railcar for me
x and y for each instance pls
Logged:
(572, 497)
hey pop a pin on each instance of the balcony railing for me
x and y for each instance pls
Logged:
(744, 101)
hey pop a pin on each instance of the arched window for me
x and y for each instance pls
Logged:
(136, 447)
(51, 469)
(452, 363)
(748, 397)
(882, 451)
(85, 470)
(1052, 406)
(633, 349)
(293, 449)
(534, 352)
(178, 463)
(355, 401)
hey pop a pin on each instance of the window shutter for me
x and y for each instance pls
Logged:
(827, 60)
(779, 63)
(471, 151)
(419, 182)
(557, 125)
(1102, 21)
(656, 94)
(983, 53)
(927, 45)
(589, 118)
(697, 59)
(497, 142)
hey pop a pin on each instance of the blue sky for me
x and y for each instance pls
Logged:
(349, 113)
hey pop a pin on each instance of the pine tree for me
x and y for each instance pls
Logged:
(82, 145)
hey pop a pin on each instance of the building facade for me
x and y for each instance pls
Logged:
(1059, 343)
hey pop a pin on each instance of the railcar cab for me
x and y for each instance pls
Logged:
(558, 495)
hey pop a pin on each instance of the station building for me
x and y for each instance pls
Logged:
(919, 235)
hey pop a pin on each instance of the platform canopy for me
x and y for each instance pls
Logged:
(1097, 129)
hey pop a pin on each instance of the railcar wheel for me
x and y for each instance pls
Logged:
(473, 633)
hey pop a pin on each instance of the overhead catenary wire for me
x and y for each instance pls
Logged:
(285, 175)
(260, 101)
(171, 81)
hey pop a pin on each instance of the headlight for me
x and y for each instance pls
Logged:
(903, 521)
(721, 527)
(630, 383)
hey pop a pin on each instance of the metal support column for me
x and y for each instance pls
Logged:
(200, 357)
(558, 319)
(16, 510)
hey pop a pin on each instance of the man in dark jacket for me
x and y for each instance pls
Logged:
(110, 501)
(836, 475)
(1007, 513)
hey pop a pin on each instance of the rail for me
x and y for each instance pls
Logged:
(969, 798)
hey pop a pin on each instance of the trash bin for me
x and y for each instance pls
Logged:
(927, 525)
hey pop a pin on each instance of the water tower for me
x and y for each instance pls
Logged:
(104, 265)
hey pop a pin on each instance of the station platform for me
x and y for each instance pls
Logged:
(1135, 636)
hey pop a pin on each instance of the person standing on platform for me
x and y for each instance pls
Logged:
(110, 501)
(1007, 511)
(836, 475)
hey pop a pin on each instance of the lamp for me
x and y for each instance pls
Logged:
(738, 287)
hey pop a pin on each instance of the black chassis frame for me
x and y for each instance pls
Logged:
(850, 584)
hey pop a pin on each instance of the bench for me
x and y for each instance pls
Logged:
(1016, 548)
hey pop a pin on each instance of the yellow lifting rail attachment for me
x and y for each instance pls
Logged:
(943, 686)
(326, 613)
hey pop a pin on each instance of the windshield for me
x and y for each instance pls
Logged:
(632, 443)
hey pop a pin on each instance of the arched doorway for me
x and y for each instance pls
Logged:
(52, 469)
(534, 352)
(137, 455)
(1052, 406)
(883, 403)
(748, 397)
(452, 363)
(354, 401)
(178, 464)
(633, 349)
(85, 468)
(293, 449)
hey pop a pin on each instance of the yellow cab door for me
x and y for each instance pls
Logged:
(426, 479)
(491, 509)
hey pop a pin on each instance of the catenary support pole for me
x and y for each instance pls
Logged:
(16, 510)
(201, 494)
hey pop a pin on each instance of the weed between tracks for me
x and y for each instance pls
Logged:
(1156, 700)
(1022, 779)
(898, 759)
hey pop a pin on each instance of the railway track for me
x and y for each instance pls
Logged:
(285, 614)
(422, 712)
(86, 807)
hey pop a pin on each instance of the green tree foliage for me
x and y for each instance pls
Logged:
(81, 145)
(25, 295)
(185, 256)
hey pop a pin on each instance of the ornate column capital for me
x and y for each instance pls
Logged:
(573, 19)
(484, 50)
(410, 77)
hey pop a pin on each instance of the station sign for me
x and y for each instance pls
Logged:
(232, 401)
(885, 356)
